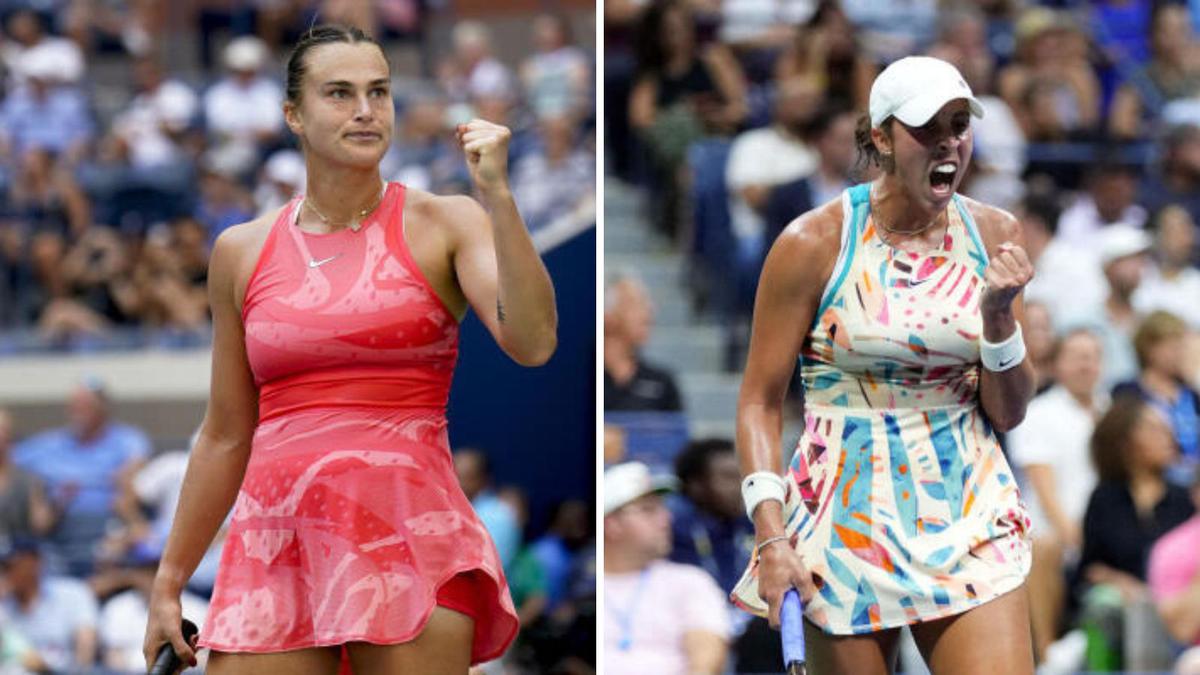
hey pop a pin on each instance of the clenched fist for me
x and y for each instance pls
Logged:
(1006, 275)
(486, 147)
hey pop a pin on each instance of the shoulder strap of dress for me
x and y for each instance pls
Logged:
(977, 251)
(855, 207)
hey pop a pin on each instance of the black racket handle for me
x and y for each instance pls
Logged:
(166, 662)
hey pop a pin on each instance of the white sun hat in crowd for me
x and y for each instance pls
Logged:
(624, 483)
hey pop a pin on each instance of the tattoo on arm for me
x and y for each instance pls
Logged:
(500, 310)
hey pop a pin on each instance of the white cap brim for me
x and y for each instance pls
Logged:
(920, 109)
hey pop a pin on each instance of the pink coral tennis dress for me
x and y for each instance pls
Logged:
(350, 519)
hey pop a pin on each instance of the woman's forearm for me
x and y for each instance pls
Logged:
(1005, 395)
(525, 306)
(210, 486)
(759, 430)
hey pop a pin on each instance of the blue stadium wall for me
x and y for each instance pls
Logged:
(537, 425)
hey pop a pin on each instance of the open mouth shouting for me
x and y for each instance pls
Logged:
(942, 178)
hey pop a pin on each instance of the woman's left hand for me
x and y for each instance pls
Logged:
(486, 147)
(1006, 276)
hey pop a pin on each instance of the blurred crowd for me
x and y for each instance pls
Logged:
(117, 172)
(732, 117)
(85, 510)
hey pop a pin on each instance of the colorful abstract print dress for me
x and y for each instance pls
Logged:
(350, 518)
(899, 500)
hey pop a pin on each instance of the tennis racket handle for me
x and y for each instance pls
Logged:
(166, 662)
(791, 626)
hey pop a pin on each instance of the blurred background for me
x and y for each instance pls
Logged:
(725, 119)
(131, 133)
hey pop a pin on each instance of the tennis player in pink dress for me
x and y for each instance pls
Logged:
(351, 546)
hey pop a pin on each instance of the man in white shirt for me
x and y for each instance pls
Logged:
(55, 615)
(1051, 450)
(244, 110)
(660, 617)
(1172, 283)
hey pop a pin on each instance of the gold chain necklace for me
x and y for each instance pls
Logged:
(354, 224)
(885, 227)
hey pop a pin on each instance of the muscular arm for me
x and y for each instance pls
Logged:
(1004, 396)
(498, 268)
(789, 290)
(218, 461)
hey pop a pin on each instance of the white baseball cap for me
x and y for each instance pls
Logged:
(627, 482)
(914, 88)
(1121, 240)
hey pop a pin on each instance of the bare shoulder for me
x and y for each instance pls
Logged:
(802, 258)
(814, 236)
(237, 249)
(996, 225)
(452, 214)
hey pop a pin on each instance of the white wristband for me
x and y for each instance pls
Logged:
(761, 486)
(1001, 356)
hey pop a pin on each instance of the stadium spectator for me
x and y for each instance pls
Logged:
(1110, 200)
(1161, 383)
(24, 510)
(474, 72)
(243, 112)
(1051, 449)
(557, 178)
(831, 134)
(152, 128)
(683, 91)
(709, 528)
(826, 49)
(630, 383)
(758, 31)
(167, 296)
(1134, 504)
(1122, 254)
(157, 486)
(1173, 575)
(1171, 282)
(1171, 76)
(43, 114)
(86, 466)
(282, 178)
(763, 158)
(558, 76)
(55, 615)
(1040, 340)
(498, 516)
(557, 549)
(31, 45)
(223, 201)
(659, 616)
(1051, 87)
(1175, 179)
(1065, 277)
(95, 271)
(889, 31)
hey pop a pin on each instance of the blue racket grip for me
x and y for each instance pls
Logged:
(791, 626)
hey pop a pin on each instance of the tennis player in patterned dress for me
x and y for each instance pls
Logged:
(335, 319)
(901, 301)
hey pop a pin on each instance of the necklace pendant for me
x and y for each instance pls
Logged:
(356, 226)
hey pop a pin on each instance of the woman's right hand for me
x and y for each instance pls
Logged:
(779, 571)
(166, 617)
